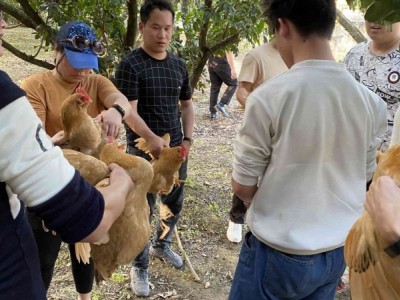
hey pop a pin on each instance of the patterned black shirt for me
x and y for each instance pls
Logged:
(157, 85)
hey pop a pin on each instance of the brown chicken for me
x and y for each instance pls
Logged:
(373, 274)
(82, 131)
(129, 234)
(94, 171)
(91, 168)
(166, 167)
(131, 231)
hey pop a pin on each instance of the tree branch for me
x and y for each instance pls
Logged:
(36, 19)
(349, 27)
(205, 26)
(26, 57)
(232, 39)
(17, 14)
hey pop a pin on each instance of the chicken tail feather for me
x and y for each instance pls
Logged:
(82, 252)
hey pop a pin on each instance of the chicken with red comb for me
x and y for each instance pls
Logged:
(166, 167)
(82, 131)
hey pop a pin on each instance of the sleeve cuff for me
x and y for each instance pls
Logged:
(74, 212)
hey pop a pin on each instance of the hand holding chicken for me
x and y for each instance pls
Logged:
(373, 274)
(166, 166)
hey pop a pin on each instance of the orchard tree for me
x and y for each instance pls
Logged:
(385, 11)
(106, 17)
(212, 27)
(203, 27)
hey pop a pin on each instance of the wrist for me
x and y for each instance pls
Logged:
(119, 109)
(188, 139)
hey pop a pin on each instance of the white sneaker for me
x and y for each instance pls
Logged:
(234, 232)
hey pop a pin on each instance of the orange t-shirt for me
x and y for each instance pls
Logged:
(46, 92)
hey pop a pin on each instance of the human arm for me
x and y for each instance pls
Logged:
(40, 176)
(252, 151)
(109, 95)
(231, 62)
(136, 123)
(379, 127)
(395, 138)
(243, 91)
(248, 76)
(244, 192)
(35, 97)
(187, 121)
(383, 205)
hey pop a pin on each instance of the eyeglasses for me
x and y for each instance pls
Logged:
(81, 43)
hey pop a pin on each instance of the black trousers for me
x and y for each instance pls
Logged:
(238, 210)
(221, 73)
(48, 248)
(174, 202)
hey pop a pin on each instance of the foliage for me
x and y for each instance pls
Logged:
(203, 27)
(213, 27)
(384, 11)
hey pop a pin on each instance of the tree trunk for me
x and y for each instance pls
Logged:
(131, 31)
(349, 27)
(198, 69)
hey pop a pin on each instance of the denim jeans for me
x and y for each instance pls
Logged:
(265, 273)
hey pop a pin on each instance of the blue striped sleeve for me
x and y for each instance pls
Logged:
(74, 212)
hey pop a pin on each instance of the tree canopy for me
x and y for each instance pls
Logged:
(203, 27)
(384, 11)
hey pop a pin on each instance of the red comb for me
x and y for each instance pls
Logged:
(85, 96)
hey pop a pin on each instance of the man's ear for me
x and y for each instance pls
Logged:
(141, 26)
(284, 28)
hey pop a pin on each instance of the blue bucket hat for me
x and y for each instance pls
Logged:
(79, 59)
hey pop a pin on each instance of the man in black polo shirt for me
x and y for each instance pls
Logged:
(156, 82)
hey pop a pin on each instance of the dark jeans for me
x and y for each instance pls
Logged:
(174, 202)
(265, 273)
(48, 248)
(238, 210)
(220, 73)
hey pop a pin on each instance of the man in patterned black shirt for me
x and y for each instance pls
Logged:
(156, 82)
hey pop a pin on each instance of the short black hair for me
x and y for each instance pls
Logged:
(150, 5)
(309, 16)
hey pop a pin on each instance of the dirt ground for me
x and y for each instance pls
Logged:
(203, 224)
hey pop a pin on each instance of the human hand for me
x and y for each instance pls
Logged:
(383, 205)
(59, 139)
(187, 146)
(47, 230)
(156, 144)
(119, 176)
(234, 74)
(111, 121)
